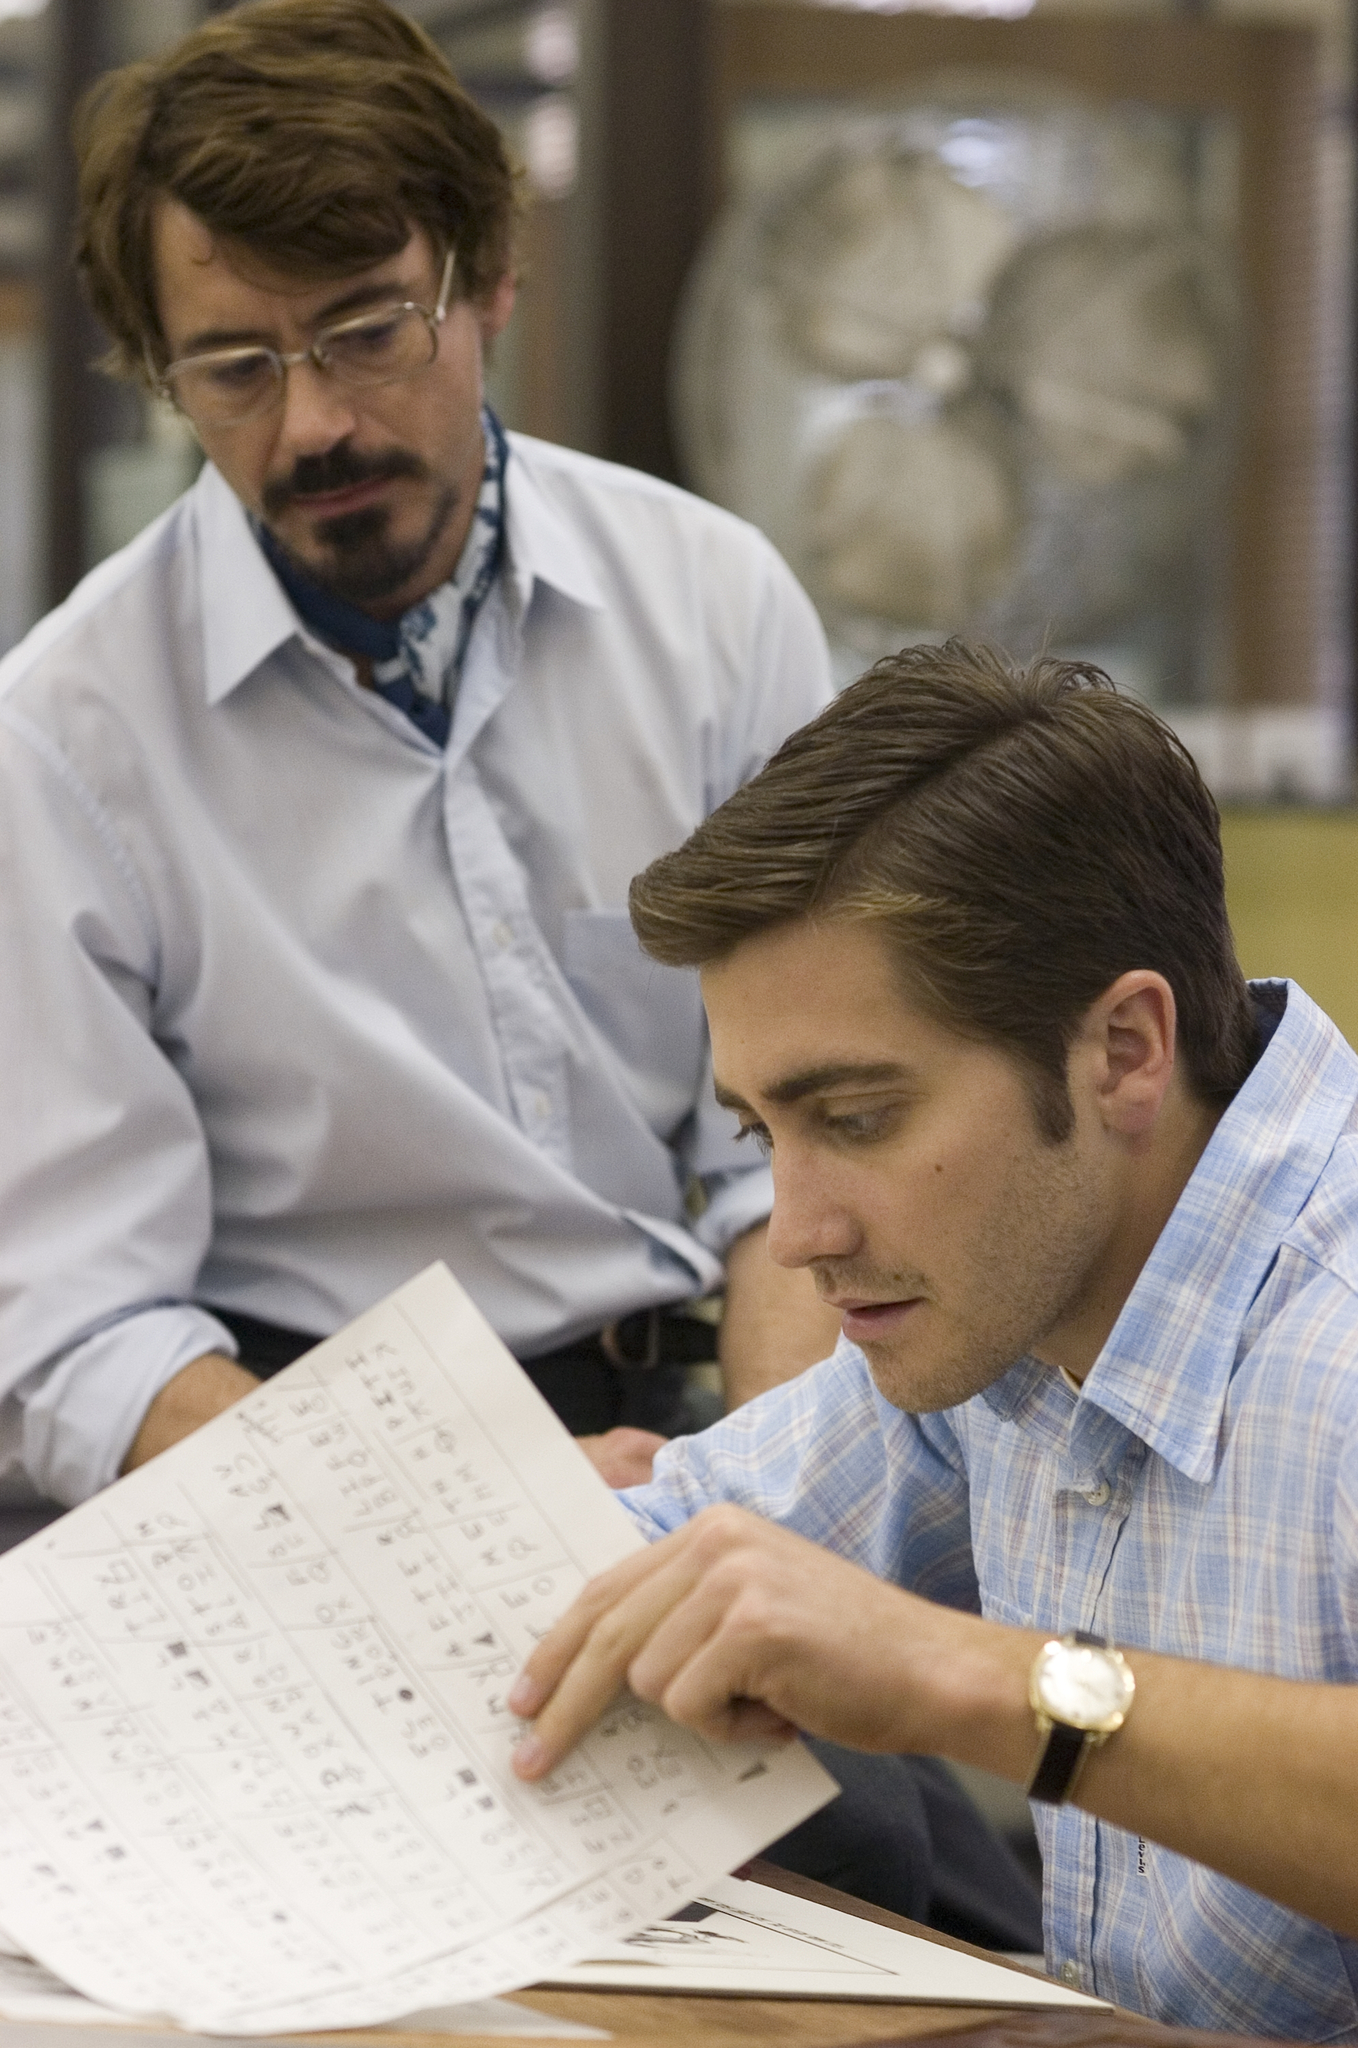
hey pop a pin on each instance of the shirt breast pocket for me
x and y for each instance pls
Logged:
(651, 1015)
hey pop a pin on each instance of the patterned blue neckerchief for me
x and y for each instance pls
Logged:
(416, 659)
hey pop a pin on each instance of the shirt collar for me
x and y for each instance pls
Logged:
(1166, 1368)
(542, 546)
(246, 613)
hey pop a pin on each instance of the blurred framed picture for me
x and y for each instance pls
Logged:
(1008, 328)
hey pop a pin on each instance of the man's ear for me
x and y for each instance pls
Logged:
(493, 311)
(1126, 1048)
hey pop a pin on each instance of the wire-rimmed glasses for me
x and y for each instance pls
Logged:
(226, 386)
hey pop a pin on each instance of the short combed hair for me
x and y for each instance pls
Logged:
(314, 133)
(1020, 837)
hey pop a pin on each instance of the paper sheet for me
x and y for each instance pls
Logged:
(744, 1938)
(29, 1992)
(33, 1998)
(254, 1744)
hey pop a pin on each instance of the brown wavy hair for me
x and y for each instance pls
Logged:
(1020, 837)
(315, 133)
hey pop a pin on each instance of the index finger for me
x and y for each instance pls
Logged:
(581, 1664)
(565, 1639)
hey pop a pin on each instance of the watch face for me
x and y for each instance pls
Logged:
(1083, 1686)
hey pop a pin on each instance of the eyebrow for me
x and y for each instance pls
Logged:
(392, 293)
(816, 1080)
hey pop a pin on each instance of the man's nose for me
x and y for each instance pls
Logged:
(317, 411)
(809, 1220)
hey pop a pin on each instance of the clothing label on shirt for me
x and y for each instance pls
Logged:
(254, 1740)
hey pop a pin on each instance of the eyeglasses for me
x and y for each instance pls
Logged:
(227, 386)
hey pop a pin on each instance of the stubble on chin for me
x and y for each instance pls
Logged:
(932, 1363)
(354, 556)
(924, 1379)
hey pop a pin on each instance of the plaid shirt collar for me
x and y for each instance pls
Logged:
(1165, 1371)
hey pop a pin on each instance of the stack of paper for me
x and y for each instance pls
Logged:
(253, 1736)
(749, 1940)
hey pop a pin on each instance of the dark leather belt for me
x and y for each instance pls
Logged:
(634, 1370)
(648, 1338)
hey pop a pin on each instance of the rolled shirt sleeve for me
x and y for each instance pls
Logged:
(105, 1208)
(736, 1202)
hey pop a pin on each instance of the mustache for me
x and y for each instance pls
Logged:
(854, 1280)
(336, 470)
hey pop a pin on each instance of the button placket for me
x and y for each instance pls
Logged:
(528, 1028)
(1070, 1849)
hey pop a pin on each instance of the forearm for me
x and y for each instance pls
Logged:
(1252, 1775)
(1249, 1774)
(203, 1389)
(773, 1326)
(737, 1627)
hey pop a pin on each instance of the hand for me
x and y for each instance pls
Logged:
(740, 1630)
(622, 1457)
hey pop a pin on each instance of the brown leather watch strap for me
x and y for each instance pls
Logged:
(1061, 1760)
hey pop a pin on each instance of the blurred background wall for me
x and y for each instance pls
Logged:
(1033, 320)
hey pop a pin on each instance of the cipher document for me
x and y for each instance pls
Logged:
(254, 1745)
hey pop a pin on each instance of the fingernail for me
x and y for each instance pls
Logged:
(529, 1757)
(523, 1697)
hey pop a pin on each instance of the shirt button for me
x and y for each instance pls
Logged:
(543, 1105)
(1070, 1973)
(1100, 1495)
(503, 936)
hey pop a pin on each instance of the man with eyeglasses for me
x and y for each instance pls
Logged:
(320, 804)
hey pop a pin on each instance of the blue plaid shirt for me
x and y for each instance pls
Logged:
(1199, 1497)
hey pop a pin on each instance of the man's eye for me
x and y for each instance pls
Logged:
(233, 373)
(367, 340)
(860, 1127)
(759, 1133)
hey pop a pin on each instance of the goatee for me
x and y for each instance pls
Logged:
(360, 564)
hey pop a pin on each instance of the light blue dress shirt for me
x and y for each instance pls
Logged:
(293, 1002)
(1199, 1498)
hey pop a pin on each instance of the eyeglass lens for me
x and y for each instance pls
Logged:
(225, 388)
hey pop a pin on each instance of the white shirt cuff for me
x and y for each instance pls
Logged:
(79, 1416)
(736, 1202)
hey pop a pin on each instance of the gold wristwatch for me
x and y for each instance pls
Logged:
(1081, 1692)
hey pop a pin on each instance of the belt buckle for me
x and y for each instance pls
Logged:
(611, 1344)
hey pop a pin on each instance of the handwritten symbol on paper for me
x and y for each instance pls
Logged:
(571, 1776)
(244, 1476)
(624, 1720)
(315, 1728)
